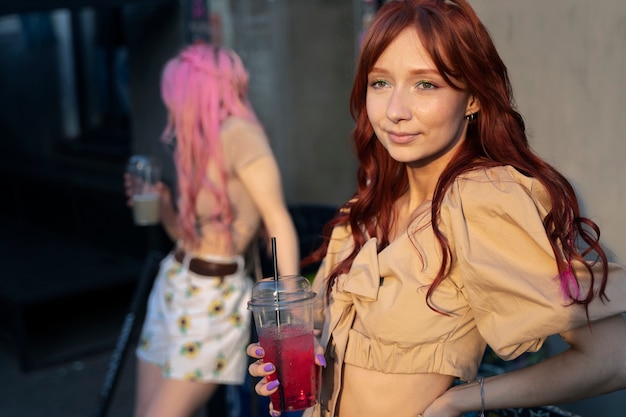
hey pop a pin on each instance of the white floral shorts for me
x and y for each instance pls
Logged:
(196, 327)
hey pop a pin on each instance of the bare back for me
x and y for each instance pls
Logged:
(242, 142)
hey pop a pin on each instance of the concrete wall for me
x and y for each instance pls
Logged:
(322, 69)
(300, 56)
(567, 62)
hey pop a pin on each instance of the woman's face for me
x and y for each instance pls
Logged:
(416, 115)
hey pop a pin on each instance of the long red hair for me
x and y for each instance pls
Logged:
(461, 48)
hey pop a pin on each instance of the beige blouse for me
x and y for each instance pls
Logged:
(502, 289)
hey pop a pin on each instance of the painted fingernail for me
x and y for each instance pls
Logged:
(268, 367)
(321, 359)
(259, 352)
(275, 413)
(273, 385)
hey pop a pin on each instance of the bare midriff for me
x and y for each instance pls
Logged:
(216, 242)
(370, 393)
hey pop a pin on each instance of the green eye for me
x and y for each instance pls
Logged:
(426, 85)
(378, 83)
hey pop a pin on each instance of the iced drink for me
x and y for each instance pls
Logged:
(144, 173)
(291, 351)
(146, 209)
(283, 315)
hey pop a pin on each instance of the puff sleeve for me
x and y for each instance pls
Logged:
(506, 267)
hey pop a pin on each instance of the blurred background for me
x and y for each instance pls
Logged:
(79, 93)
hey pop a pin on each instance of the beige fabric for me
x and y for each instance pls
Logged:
(243, 143)
(502, 289)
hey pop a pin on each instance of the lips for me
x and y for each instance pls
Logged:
(401, 138)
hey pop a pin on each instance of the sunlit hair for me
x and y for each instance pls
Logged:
(202, 87)
(462, 50)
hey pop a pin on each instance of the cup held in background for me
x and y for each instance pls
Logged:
(145, 172)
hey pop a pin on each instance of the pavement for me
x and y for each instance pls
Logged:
(57, 334)
(67, 389)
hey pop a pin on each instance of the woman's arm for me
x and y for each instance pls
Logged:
(167, 212)
(594, 364)
(262, 179)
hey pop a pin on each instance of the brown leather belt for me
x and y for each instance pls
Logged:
(206, 268)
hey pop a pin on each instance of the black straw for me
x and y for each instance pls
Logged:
(281, 393)
(274, 257)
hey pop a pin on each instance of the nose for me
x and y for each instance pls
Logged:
(398, 107)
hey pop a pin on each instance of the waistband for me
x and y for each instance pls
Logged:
(207, 268)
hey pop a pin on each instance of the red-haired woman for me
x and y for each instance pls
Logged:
(197, 324)
(458, 236)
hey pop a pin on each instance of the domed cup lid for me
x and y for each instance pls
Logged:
(288, 291)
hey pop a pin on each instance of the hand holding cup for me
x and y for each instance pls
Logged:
(262, 369)
(283, 314)
(141, 182)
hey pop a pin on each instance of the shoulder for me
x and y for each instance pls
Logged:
(244, 141)
(239, 129)
(341, 243)
(501, 187)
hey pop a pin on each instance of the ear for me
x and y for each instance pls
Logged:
(473, 105)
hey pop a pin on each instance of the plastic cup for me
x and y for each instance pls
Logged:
(145, 172)
(283, 315)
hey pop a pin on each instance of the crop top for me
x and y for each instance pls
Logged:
(502, 288)
(243, 142)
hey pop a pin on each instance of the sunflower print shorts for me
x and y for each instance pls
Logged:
(196, 327)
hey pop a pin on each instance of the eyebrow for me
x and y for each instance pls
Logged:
(421, 71)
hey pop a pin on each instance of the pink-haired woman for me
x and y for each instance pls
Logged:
(457, 236)
(197, 325)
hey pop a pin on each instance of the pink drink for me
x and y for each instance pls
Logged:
(283, 315)
(291, 352)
